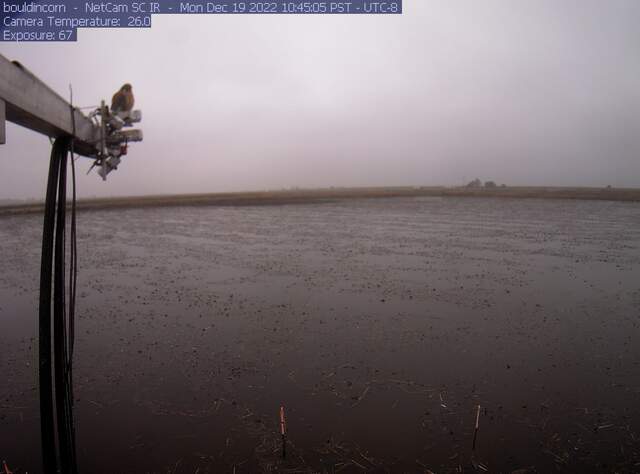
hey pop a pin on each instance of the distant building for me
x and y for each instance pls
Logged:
(490, 184)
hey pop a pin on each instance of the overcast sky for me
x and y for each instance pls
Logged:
(540, 92)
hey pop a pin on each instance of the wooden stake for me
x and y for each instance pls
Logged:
(475, 434)
(283, 432)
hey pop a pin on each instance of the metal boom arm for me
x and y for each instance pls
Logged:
(29, 102)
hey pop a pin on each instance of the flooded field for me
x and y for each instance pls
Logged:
(380, 325)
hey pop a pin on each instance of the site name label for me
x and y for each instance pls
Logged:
(31, 20)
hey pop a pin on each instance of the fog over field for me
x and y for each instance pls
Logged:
(536, 92)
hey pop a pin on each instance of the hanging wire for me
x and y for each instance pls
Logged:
(73, 280)
(56, 390)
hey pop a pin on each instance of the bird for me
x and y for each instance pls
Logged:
(122, 101)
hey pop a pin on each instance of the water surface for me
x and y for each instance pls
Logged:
(379, 324)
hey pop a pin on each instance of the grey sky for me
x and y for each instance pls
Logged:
(542, 92)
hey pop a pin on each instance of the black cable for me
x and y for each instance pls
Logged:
(44, 338)
(73, 269)
(59, 319)
(73, 282)
(59, 391)
(56, 393)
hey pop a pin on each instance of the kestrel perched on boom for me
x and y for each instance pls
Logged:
(122, 101)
